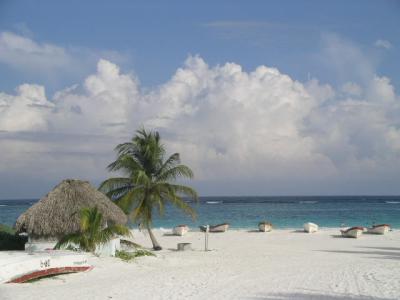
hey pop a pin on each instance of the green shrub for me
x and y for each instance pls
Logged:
(128, 256)
(7, 229)
(142, 252)
(9, 240)
(124, 255)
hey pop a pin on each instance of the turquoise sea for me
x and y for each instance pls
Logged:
(283, 212)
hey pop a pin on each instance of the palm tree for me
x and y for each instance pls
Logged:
(92, 231)
(149, 179)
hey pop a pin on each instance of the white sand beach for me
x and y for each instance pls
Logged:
(283, 264)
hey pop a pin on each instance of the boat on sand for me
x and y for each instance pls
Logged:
(180, 230)
(379, 229)
(352, 232)
(216, 228)
(310, 227)
(22, 266)
(265, 226)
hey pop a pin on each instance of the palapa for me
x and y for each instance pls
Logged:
(58, 213)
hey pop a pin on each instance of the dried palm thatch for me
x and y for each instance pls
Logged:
(58, 213)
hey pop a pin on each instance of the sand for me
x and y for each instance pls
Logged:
(283, 264)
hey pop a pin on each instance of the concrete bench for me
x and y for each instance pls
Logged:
(184, 246)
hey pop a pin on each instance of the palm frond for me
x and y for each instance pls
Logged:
(118, 230)
(73, 238)
(185, 191)
(125, 148)
(174, 173)
(172, 161)
(178, 202)
(127, 163)
(114, 183)
(142, 179)
(131, 199)
(117, 194)
(85, 218)
(116, 187)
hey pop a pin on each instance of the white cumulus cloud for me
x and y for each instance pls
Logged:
(24, 53)
(49, 62)
(229, 125)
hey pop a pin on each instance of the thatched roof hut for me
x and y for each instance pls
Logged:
(58, 213)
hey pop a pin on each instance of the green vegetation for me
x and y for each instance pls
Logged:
(148, 182)
(92, 232)
(128, 256)
(9, 240)
(6, 229)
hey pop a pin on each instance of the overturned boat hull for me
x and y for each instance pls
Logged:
(19, 266)
(310, 227)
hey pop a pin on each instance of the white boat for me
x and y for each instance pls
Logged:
(264, 226)
(21, 266)
(180, 230)
(379, 229)
(216, 228)
(310, 227)
(352, 232)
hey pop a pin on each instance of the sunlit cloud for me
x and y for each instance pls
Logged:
(230, 125)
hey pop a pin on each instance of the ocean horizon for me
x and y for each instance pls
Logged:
(244, 212)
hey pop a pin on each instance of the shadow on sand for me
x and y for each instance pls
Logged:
(373, 252)
(384, 248)
(173, 249)
(169, 234)
(339, 236)
(313, 296)
(299, 231)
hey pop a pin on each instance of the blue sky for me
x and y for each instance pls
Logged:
(248, 92)
(156, 36)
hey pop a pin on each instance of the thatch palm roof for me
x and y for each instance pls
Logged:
(58, 213)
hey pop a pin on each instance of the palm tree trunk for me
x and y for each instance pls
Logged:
(156, 245)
